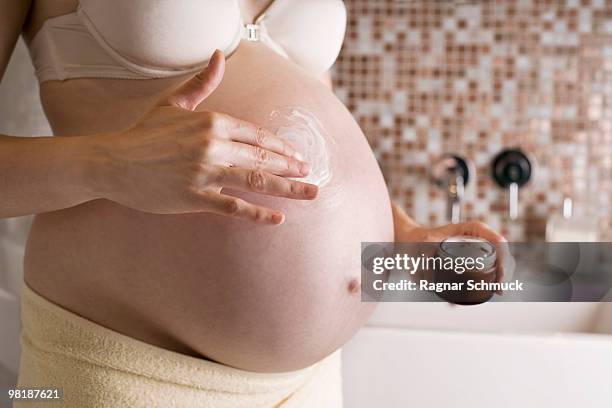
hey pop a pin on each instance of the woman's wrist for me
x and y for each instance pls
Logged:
(94, 168)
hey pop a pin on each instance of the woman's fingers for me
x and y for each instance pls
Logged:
(256, 181)
(189, 95)
(265, 183)
(481, 230)
(237, 208)
(471, 228)
(246, 132)
(236, 154)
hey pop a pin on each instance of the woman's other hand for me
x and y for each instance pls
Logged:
(176, 160)
(406, 230)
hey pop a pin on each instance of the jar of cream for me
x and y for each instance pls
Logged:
(465, 264)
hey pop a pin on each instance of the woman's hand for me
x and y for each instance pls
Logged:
(176, 160)
(406, 230)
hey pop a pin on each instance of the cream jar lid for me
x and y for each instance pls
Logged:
(468, 246)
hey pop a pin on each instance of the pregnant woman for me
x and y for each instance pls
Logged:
(198, 220)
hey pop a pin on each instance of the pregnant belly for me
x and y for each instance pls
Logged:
(254, 297)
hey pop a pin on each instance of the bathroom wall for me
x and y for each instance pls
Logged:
(471, 77)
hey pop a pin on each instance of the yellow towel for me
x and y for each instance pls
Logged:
(98, 367)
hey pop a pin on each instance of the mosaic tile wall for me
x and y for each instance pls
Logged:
(429, 77)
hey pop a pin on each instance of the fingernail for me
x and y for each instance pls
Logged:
(298, 156)
(304, 168)
(311, 191)
(277, 218)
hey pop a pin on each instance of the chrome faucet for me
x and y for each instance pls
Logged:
(455, 196)
(451, 173)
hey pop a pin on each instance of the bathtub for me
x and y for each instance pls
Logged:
(496, 354)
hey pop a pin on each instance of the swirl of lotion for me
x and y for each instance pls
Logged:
(306, 134)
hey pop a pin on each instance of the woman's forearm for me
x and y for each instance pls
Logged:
(407, 230)
(173, 160)
(41, 174)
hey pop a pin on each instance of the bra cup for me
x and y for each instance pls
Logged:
(169, 33)
(142, 39)
(310, 32)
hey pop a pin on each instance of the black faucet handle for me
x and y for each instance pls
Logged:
(512, 169)
(511, 166)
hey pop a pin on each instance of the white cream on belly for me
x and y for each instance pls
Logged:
(307, 135)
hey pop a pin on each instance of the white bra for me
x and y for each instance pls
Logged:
(141, 39)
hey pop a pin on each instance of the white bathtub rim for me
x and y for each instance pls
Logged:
(559, 336)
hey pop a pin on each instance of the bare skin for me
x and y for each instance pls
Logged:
(133, 249)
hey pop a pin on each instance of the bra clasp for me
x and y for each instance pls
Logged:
(252, 32)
